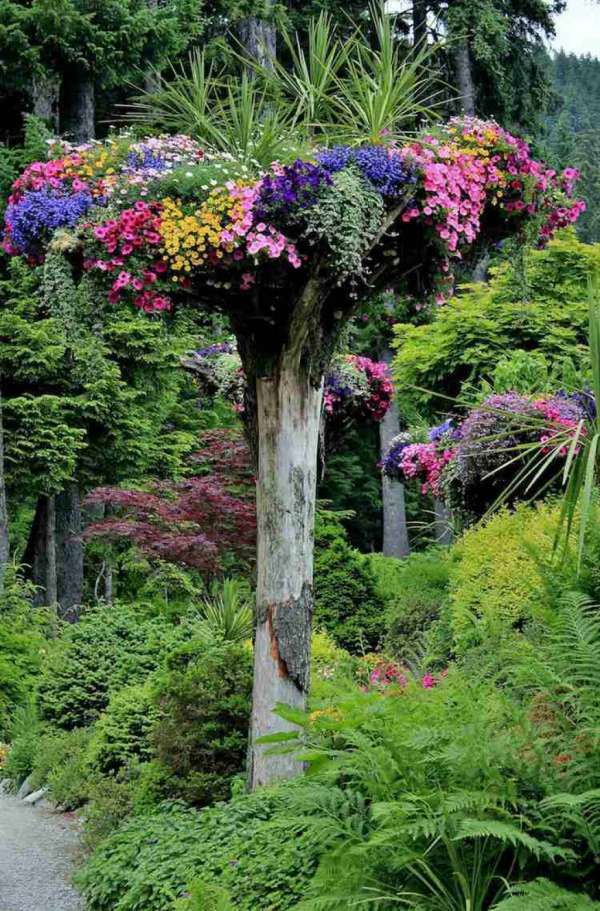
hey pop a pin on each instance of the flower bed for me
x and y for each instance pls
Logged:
(154, 218)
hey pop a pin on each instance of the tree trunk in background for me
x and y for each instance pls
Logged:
(288, 413)
(419, 12)
(443, 524)
(45, 94)
(50, 534)
(80, 106)
(395, 530)
(69, 552)
(4, 540)
(259, 38)
(464, 77)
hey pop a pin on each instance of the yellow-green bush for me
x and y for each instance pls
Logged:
(499, 575)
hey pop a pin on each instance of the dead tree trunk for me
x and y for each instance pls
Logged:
(45, 94)
(69, 552)
(4, 540)
(419, 14)
(259, 39)
(51, 582)
(288, 416)
(395, 530)
(464, 77)
(80, 106)
(444, 533)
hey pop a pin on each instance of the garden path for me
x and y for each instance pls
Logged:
(38, 848)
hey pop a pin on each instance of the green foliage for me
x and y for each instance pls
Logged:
(416, 592)
(422, 796)
(111, 646)
(469, 335)
(347, 216)
(496, 578)
(226, 614)
(242, 847)
(61, 763)
(21, 644)
(109, 803)
(24, 735)
(122, 733)
(204, 897)
(542, 895)
(203, 708)
(347, 605)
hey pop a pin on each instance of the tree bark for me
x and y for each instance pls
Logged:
(288, 415)
(4, 539)
(443, 524)
(395, 530)
(80, 113)
(50, 534)
(419, 13)
(464, 77)
(69, 552)
(259, 39)
(45, 93)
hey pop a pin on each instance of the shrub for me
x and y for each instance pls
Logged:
(110, 647)
(24, 735)
(500, 578)
(203, 703)
(122, 731)
(243, 847)
(347, 605)
(110, 802)
(21, 643)
(204, 897)
(61, 763)
(416, 591)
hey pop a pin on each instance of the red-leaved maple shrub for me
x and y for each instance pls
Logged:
(194, 522)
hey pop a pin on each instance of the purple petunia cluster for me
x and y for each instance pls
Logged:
(39, 213)
(294, 186)
(384, 169)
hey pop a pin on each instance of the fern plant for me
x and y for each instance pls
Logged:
(543, 895)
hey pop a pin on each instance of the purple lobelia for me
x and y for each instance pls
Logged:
(383, 168)
(38, 213)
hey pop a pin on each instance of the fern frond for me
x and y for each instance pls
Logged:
(510, 835)
(543, 895)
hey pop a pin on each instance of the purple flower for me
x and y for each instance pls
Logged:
(295, 186)
(31, 220)
(436, 433)
(146, 159)
(393, 457)
(384, 169)
(213, 350)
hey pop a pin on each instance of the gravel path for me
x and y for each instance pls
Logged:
(38, 848)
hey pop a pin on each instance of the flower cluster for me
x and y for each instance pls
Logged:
(290, 188)
(358, 386)
(32, 221)
(383, 168)
(387, 674)
(468, 463)
(131, 245)
(225, 230)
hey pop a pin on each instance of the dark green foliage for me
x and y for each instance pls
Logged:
(572, 135)
(347, 605)
(416, 596)
(112, 645)
(241, 846)
(203, 705)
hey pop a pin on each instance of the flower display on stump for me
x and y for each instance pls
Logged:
(468, 463)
